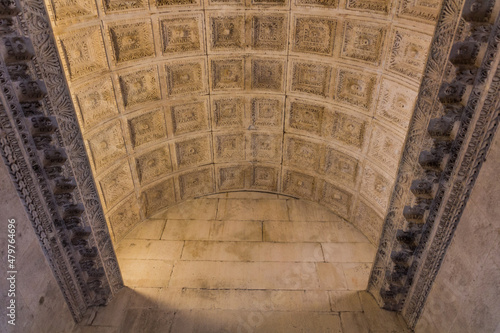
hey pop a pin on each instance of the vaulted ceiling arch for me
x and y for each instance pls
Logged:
(182, 98)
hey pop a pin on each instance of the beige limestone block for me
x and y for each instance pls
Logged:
(149, 229)
(149, 249)
(145, 273)
(248, 210)
(349, 252)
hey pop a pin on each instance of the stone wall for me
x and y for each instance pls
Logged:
(464, 297)
(40, 306)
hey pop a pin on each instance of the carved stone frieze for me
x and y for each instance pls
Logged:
(71, 9)
(169, 3)
(426, 11)
(107, 145)
(96, 102)
(153, 164)
(83, 52)
(378, 6)
(116, 184)
(131, 41)
(314, 35)
(363, 42)
(140, 86)
(181, 34)
(147, 127)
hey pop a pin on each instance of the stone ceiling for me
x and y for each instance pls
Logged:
(181, 98)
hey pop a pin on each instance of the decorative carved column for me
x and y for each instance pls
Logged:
(43, 149)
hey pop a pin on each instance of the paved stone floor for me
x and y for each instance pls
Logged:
(244, 262)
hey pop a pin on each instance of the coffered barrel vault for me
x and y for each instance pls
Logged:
(181, 98)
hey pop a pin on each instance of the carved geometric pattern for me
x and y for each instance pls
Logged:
(226, 2)
(395, 104)
(386, 148)
(363, 41)
(189, 117)
(269, 32)
(299, 184)
(153, 164)
(185, 78)
(192, 152)
(356, 88)
(131, 41)
(196, 183)
(160, 195)
(268, 74)
(381, 6)
(97, 102)
(336, 199)
(408, 53)
(311, 78)
(69, 9)
(231, 178)
(229, 147)
(228, 32)
(266, 112)
(425, 10)
(376, 188)
(314, 35)
(348, 129)
(269, 2)
(147, 127)
(264, 178)
(124, 218)
(306, 116)
(341, 167)
(228, 112)
(319, 3)
(118, 5)
(265, 147)
(369, 222)
(181, 34)
(107, 145)
(302, 153)
(227, 74)
(165, 3)
(83, 51)
(140, 86)
(116, 184)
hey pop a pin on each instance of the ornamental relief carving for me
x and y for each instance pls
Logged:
(122, 5)
(123, 218)
(268, 74)
(185, 78)
(182, 34)
(313, 34)
(395, 104)
(363, 42)
(318, 3)
(356, 88)
(153, 164)
(310, 78)
(269, 32)
(378, 6)
(116, 184)
(107, 145)
(368, 221)
(376, 188)
(305, 116)
(71, 9)
(188, 117)
(173, 3)
(227, 32)
(231, 177)
(158, 196)
(346, 128)
(196, 183)
(385, 148)
(264, 178)
(424, 10)
(83, 52)
(338, 200)
(302, 153)
(147, 127)
(192, 152)
(228, 74)
(341, 167)
(265, 147)
(96, 102)
(229, 147)
(266, 112)
(299, 184)
(408, 53)
(140, 86)
(228, 112)
(131, 41)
